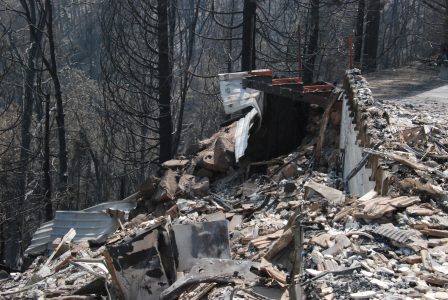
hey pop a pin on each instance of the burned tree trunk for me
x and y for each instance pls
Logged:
(186, 80)
(46, 166)
(165, 81)
(371, 35)
(52, 67)
(311, 50)
(445, 29)
(35, 27)
(359, 33)
(248, 51)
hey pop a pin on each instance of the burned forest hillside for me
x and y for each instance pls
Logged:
(191, 149)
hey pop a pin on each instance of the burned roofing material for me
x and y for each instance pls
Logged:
(278, 225)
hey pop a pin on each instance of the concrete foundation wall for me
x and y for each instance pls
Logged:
(349, 145)
(362, 126)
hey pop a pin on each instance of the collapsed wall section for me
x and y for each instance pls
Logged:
(363, 125)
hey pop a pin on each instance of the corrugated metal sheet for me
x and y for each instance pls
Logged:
(242, 133)
(395, 234)
(89, 223)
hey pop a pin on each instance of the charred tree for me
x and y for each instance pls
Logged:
(359, 31)
(371, 35)
(46, 165)
(35, 22)
(60, 119)
(165, 82)
(248, 49)
(445, 29)
(313, 44)
(185, 80)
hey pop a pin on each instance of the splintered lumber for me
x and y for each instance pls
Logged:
(323, 126)
(405, 161)
(68, 237)
(281, 243)
(334, 196)
(265, 240)
(435, 232)
(378, 207)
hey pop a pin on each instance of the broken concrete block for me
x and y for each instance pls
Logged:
(167, 187)
(207, 161)
(224, 152)
(190, 185)
(201, 187)
(219, 154)
(185, 183)
(176, 164)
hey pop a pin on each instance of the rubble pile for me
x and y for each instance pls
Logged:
(207, 227)
(391, 242)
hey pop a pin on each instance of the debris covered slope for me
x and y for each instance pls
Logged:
(362, 217)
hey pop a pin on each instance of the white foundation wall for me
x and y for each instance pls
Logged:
(360, 183)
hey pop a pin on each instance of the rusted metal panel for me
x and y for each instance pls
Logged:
(202, 240)
(142, 265)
